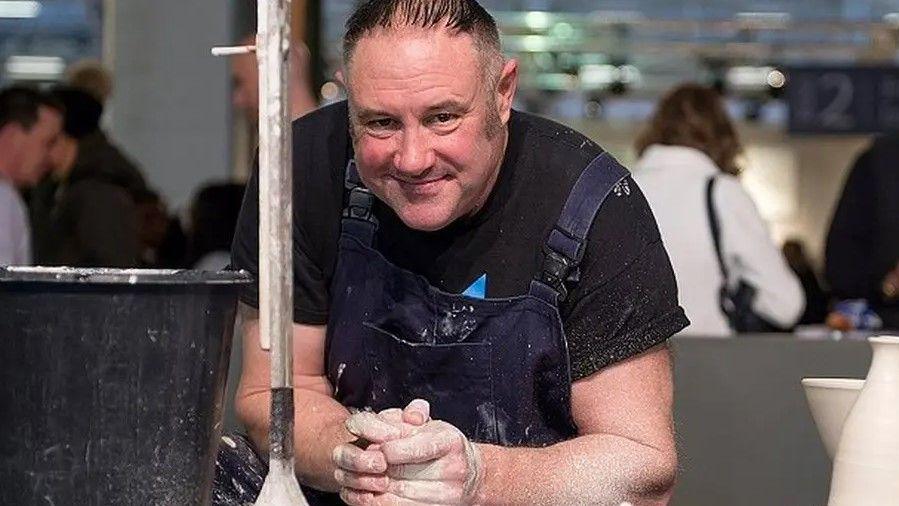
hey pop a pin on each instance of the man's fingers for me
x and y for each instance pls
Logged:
(357, 497)
(429, 492)
(353, 458)
(430, 471)
(392, 415)
(443, 470)
(418, 412)
(432, 442)
(362, 498)
(370, 426)
(362, 482)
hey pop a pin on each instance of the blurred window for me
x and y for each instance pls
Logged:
(38, 39)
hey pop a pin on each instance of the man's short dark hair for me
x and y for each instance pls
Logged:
(461, 16)
(52, 102)
(19, 104)
(82, 111)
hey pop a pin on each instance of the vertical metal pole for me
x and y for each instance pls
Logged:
(276, 245)
(275, 188)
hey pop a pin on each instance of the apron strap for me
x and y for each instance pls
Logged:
(564, 249)
(358, 217)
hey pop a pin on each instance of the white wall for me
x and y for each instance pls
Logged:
(170, 109)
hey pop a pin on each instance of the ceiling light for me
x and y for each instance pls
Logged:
(19, 9)
(47, 68)
(763, 20)
(537, 20)
(746, 77)
(776, 79)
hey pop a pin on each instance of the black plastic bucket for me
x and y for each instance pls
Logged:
(111, 384)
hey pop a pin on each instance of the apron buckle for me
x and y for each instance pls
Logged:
(557, 270)
(360, 205)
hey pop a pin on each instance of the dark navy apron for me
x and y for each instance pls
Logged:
(496, 368)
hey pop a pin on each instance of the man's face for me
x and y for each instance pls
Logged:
(37, 146)
(245, 76)
(427, 132)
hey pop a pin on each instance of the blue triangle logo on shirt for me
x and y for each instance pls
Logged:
(478, 289)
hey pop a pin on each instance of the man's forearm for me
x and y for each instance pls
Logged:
(318, 429)
(591, 469)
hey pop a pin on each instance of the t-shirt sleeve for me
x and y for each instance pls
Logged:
(310, 287)
(626, 300)
(14, 244)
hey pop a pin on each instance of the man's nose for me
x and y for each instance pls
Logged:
(414, 156)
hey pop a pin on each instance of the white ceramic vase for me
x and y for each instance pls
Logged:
(866, 466)
(830, 400)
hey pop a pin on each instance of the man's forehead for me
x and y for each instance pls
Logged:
(50, 117)
(413, 58)
(437, 43)
(47, 112)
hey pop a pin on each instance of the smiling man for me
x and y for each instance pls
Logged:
(482, 298)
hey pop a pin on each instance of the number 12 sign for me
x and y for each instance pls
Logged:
(843, 99)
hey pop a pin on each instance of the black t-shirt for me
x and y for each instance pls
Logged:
(624, 303)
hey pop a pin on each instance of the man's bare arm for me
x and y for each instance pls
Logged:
(625, 453)
(319, 424)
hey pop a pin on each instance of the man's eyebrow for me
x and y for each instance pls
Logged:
(365, 114)
(447, 105)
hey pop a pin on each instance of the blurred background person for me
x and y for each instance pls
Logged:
(93, 219)
(689, 143)
(163, 244)
(213, 217)
(91, 77)
(30, 124)
(245, 81)
(862, 250)
(162, 241)
(816, 298)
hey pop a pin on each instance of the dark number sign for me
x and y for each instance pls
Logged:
(843, 99)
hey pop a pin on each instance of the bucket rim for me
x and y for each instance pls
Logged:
(121, 276)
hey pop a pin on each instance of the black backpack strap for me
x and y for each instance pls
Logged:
(715, 227)
(564, 248)
(358, 217)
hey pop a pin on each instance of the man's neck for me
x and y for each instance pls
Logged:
(6, 168)
(481, 201)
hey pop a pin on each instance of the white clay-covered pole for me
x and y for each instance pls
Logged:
(275, 245)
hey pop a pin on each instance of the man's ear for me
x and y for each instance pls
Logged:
(506, 88)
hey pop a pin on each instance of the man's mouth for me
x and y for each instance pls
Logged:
(427, 186)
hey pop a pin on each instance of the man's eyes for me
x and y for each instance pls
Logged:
(444, 121)
(441, 119)
(444, 117)
(380, 123)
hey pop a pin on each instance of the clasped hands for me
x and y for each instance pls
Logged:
(404, 458)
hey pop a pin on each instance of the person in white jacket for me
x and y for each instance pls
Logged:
(689, 140)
